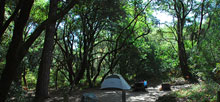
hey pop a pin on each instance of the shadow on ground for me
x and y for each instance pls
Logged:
(151, 95)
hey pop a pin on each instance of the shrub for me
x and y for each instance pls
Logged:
(202, 92)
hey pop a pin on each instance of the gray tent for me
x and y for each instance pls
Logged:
(115, 81)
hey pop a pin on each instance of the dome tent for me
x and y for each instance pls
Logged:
(115, 81)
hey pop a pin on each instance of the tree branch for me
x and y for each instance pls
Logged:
(4, 26)
(43, 25)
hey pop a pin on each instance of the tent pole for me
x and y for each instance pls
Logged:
(123, 96)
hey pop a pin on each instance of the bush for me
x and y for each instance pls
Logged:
(202, 92)
(17, 94)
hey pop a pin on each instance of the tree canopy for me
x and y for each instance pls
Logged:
(77, 43)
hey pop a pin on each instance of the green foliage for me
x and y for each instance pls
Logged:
(31, 78)
(165, 49)
(203, 92)
(1, 67)
(17, 94)
(131, 62)
(98, 26)
(39, 11)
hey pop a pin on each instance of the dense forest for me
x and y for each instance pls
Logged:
(70, 44)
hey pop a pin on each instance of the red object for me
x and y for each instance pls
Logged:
(25, 88)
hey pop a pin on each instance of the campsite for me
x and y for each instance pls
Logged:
(109, 51)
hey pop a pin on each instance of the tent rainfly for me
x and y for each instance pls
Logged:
(115, 81)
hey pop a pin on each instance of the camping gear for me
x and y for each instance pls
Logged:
(166, 87)
(140, 86)
(145, 84)
(89, 97)
(115, 81)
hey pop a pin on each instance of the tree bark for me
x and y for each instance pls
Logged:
(13, 58)
(47, 55)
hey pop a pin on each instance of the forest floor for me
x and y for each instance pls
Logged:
(151, 95)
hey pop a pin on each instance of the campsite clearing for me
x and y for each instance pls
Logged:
(115, 95)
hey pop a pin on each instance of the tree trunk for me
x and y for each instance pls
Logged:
(4, 24)
(182, 53)
(82, 69)
(18, 77)
(84, 61)
(24, 78)
(70, 70)
(2, 13)
(181, 19)
(56, 79)
(14, 54)
(218, 96)
(47, 54)
(183, 60)
(88, 76)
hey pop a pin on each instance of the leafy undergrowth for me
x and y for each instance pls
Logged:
(205, 91)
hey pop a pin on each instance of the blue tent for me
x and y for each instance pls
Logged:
(115, 81)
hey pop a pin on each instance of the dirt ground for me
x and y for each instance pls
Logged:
(151, 95)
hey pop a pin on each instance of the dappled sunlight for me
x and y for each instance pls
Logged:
(151, 94)
(109, 50)
(204, 91)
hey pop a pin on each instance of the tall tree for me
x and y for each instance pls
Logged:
(46, 58)
(92, 18)
(180, 9)
(18, 48)
(181, 19)
(13, 59)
